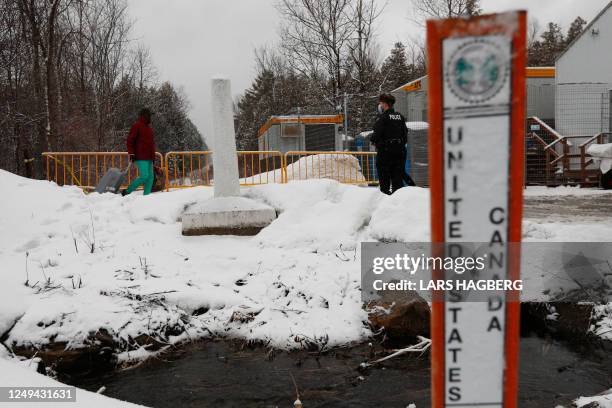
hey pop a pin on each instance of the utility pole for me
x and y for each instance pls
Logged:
(345, 120)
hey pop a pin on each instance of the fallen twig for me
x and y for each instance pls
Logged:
(423, 345)
(297, 403)
(159, 293)
(289, 310)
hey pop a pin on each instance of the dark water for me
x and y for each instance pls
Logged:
(219, 375)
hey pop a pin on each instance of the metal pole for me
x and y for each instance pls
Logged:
(345, 141)
(302, 133)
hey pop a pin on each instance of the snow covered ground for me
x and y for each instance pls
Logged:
(24, 375)
(567, 214)
(88, 258)
(563, 191)
(121, 264)
(600, 401)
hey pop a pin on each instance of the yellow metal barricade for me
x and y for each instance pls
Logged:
(344, 167)
(261, 167)
(188, 169)
(191, 169)
(85, 169)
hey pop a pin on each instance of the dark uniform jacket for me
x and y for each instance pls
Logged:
(390, 131)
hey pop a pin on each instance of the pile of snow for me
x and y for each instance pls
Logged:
(337, 166)
(602, 317)
(602, 153)
(417, 125)
(600, 150)
(343, 167)
(600, 401)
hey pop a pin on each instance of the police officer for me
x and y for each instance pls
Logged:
(390, 137)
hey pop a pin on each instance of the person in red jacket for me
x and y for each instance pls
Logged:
(141, 148)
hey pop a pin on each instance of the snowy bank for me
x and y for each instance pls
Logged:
(21, 375)
(600, 401)
(74, 264)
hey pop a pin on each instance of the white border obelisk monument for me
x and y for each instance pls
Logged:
(227, 213)
(224, 141)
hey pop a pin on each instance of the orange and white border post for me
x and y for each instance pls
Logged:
(476, 77)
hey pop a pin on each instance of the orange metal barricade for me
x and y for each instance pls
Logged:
(344, 167)
(261, 167)
(191, 169)
(188, 169)
(85, 169)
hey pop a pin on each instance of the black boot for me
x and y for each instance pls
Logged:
(124, 192)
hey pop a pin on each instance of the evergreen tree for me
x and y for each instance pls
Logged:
(172, 127)
(574, 30)
(544, 52)
(171, 124)
(253, 109)
(275, 91)
(395, 69)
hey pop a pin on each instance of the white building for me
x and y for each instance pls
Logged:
(584, 80)
(301, 132)
(411, 98)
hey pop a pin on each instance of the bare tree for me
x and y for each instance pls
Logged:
(364, 68)
(533, 32)
(315, 37)
(31, 27)
(143, 69)
(438, 9)
(364, 14)
(51, 88)
(71, 79)
(41, 17)
(108, 28)
(415, 49)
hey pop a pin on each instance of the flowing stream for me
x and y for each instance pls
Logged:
(219, 374)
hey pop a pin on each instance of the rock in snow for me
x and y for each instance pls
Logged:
(401, 316)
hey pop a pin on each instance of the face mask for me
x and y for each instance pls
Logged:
(379, 108)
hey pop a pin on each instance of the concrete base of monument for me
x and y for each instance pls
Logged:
(227, 216)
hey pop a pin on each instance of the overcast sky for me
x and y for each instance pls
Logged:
(194, 40)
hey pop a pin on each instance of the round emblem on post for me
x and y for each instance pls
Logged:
(477, 71)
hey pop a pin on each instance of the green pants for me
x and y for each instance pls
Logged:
(145, 177)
